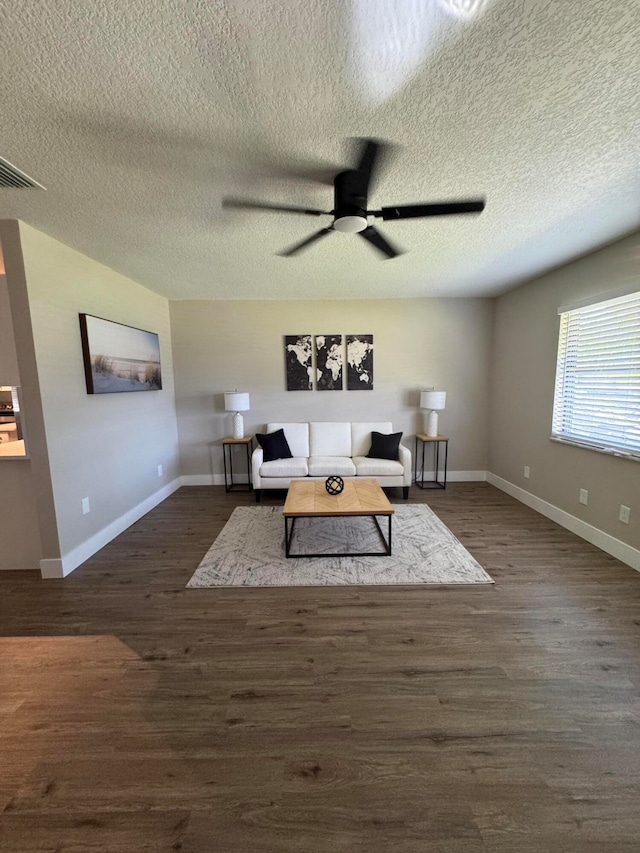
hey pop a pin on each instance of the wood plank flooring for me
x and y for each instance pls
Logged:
(139, 716)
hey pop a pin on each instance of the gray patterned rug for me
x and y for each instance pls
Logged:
(250, 552)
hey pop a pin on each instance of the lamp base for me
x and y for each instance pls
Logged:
(432, 424)
(238, 426)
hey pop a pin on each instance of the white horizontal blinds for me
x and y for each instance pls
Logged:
(597, 394)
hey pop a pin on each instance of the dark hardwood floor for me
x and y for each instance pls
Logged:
(139, 716)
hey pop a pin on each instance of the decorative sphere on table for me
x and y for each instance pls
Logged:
(334, 485)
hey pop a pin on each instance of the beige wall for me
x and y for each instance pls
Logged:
(104, 447)
(8, 360)
(19, 522)
(418, 343)
(523, 374)
(19, 534)
(28, 527)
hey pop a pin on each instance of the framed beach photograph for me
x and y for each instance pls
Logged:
(119, 358)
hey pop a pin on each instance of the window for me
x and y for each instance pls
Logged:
(597, 394)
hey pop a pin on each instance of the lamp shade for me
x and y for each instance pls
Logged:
(236, 401)
(432, 399)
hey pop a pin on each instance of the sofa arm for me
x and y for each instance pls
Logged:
(256, 462)
(404, 455)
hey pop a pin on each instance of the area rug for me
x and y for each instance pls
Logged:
(250, 552)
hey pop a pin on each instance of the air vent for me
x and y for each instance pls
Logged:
(13, 178)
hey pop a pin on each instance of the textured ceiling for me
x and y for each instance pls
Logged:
(139, 116)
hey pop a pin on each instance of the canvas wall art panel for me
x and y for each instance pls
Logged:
(359, 362)
(329, 362)
(298, 354)
(119, 358)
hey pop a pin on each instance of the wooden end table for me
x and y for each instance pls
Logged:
(230, 443)
(436, 440)
(360, 497)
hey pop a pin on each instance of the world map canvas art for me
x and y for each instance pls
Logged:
(359, 362)
(329, 362)
(298, 353)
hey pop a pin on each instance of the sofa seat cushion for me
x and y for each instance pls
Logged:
(369, 467)
(294, 467)
(325, 466)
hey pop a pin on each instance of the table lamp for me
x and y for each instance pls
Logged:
(237, 401)
(433, 401)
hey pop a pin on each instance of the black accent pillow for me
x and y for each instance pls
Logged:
(275, 445)
(384, 446)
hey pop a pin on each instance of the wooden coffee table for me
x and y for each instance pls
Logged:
(360, 497)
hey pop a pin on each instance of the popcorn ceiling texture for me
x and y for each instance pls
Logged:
(140, 115)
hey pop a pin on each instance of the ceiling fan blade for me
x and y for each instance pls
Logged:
(248, 204)
(368, 155)
(376, 239)
(293, 250)
(371, 156)
(445, 208)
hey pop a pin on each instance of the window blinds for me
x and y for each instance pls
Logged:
(597, 393)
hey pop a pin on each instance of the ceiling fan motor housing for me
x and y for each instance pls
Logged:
(350, 202)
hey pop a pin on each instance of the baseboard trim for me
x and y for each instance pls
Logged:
(455, 476)
(204, 480)
(60, 568)
(461, 476)
(52, 569)
(218, 479)
(620, 550)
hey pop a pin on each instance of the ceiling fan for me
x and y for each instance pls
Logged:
(350, 214)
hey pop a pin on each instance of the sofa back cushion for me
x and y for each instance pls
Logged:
(297, 436)
(361, 435)
(330, 439)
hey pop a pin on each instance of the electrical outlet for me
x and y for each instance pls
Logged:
(159, 470)
(527, 472)
(584, 496)
(85, 506)
(625, 512)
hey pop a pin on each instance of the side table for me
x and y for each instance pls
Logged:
(229, 444)
(436, 440)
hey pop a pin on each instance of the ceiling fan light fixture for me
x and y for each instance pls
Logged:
(350, 224)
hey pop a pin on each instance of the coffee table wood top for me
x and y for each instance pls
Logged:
(309, 498)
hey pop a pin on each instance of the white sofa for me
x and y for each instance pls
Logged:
(320, 449)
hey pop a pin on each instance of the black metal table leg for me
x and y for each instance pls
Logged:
(224, 458)
(446, 456)
(288, 537)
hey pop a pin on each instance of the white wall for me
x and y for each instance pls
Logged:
(104, 447)
(418, 343)
(523, 376)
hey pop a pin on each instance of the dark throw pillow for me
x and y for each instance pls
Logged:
(384, 446)
(275, 445)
